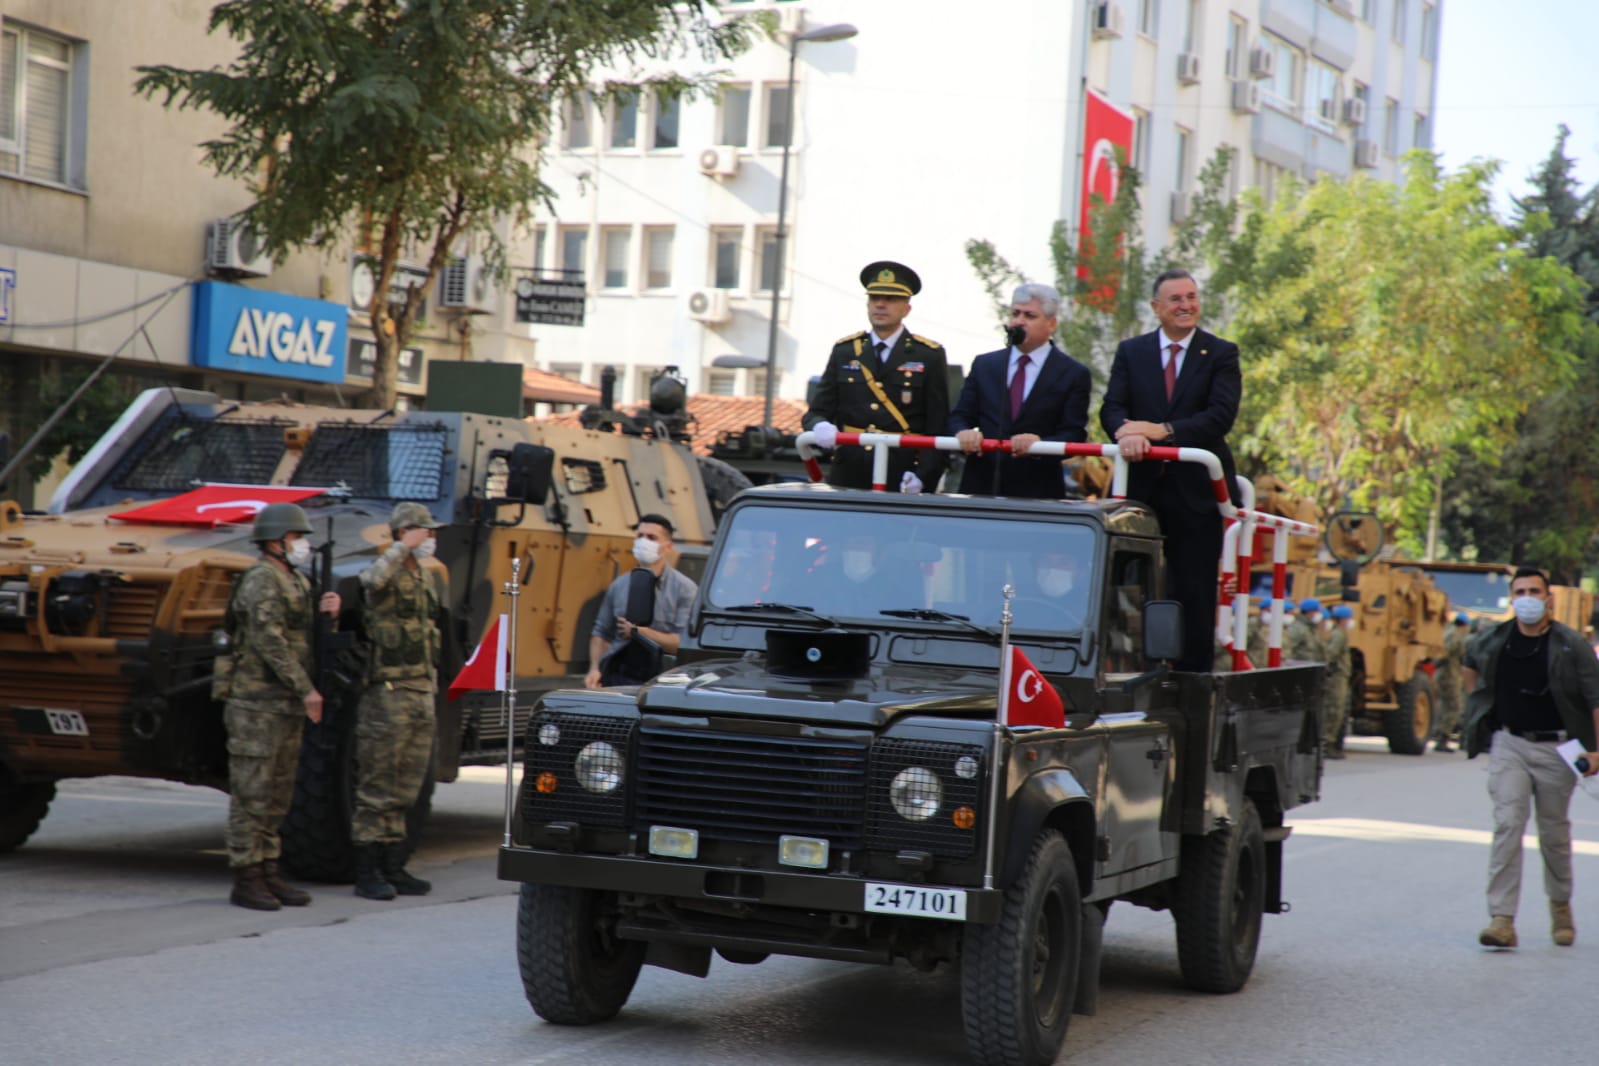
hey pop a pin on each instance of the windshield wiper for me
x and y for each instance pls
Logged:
(928, 614)
(779, 608)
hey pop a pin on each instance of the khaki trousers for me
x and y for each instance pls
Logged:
(1526, 776)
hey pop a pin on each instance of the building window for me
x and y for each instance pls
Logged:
(1146, 17)
(616, 241)
(1184, 141)
(1282, 88)
(1269, 178)
(579, 133)
(574, 250)
(1429, 31)
(658, 257)
(538, 247)
(1368, 12)
(771, 266)
(41, 107)
(1390, 127)
(1321, 96)
(624, 119)
(725, 248)
(1140, 160)
(721, 382)
(668, 110)
(1191, 27)
(758, 382)
(1398, 33)
(777, 131)
(1422, 135)
(734, 117)
(1237, 47)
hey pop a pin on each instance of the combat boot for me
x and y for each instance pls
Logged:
(369, 882)
(250, 891)
(394, 870)
(286, 893)
(1562, 926)
(1501, 933)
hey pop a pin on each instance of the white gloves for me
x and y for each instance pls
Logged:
(825, 434)
(910, 484)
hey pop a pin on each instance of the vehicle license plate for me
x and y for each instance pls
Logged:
(66, 723)
(917, 901)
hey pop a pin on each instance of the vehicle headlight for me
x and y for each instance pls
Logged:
(916, 793)
(599, 767)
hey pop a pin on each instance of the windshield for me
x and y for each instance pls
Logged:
(1475, 590)
(852, 565)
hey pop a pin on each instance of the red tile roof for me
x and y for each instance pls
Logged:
(715, 416)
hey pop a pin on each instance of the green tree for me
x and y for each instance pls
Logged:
(420, 122)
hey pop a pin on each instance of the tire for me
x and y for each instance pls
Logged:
(1019, 976)
(22, 808)
(574, 969)
(743, 958)
(1411, 725)
(722, 482)
(1221, 897)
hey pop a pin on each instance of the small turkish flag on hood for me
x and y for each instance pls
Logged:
(216, 504)
(1029, 699)
(485, 670)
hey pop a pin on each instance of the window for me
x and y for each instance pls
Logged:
(668, 109)
(41, 107)
(1399, 22)
(1421, 136)
(721, 382)
(574, 250)
(1282, 88)
(1368, 12)
(1429, 31)
(757, 385)
(1237, 47)
(1184, 139)
(724, 258)
(1140, 160)
(615, 243)
(1321, 96)
(1390, 127)
(777, 116)
(771, 266)
(1191, 27)
(1146, 17)
(538, 247)
(579, 132)
(1269, 178)
(624, 119)
(734, 117)
(658, 257)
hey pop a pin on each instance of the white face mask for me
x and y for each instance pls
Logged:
(1349, 623)
(1055, 582)
(299, 552)
(1315, 618)
(857, 565)
(1529, 610)
(426, 549)
(646, 551)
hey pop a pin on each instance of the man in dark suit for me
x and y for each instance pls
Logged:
(883, 380)
(1028, 392)
(1178, 387)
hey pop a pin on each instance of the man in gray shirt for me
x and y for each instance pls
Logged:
(620, 648)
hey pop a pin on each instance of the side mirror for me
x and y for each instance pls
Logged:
(528, 473)
(1163, 630)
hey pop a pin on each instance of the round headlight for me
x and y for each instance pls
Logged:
(549, 734)
(966, 767)
(599, 767)
(916, 793)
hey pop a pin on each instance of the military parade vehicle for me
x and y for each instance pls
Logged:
(108, 625)
(828, 771)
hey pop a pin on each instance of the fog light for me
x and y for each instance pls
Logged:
(802, 851)
(964, 817)
(674, 843)
(545, 782)
(549, 734)
(966, 767)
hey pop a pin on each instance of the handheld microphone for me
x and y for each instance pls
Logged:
(1014, 335)
(1581, 764)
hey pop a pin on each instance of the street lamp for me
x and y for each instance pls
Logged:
(838, 31)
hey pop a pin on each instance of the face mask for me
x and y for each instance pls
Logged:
(1315, 618)
(646, 551)
(299, 552)
(1349, 623)
(857, 565)
(1055, 582)
(1529, 610)
(426, 549)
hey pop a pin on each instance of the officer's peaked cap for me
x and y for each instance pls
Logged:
(888, 278)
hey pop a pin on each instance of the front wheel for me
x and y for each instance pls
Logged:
(1221, 897)
(1410, 725)
(1019, 976)
(22, 808)
(575, 971)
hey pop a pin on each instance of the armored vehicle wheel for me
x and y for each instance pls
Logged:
(1410, 725)
(22, 808)
(722, 482)
(1019, 976)
(1221, 896)
(574, 969)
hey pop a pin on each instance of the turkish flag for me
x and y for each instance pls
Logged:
(485, 670)
(216, 504)
(1029, 699)
(1105, 129)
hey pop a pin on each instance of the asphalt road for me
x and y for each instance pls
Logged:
(117, 945)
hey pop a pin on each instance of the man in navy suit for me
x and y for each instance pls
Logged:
(1029, 392)
(1179, 387)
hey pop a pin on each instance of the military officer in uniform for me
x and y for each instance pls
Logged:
(1301, 643)
(400, 601)
(883, 380)
(1450, 682)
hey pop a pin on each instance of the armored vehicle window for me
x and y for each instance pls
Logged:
(180, 451)
(404, 462)
(1477, 590)
(853, 565)
(1131, 581)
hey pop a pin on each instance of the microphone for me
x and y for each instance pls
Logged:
(1581, 764)
(1014, 335)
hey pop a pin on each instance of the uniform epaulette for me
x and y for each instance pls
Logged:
(851, 337)
(924, 340)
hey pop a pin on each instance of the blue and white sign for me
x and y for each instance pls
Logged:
(254, 332)
(8, 282)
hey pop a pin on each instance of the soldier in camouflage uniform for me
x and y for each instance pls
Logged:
(1339, 667)
(395, 724)
(1451, 681)
(1300, 641)
(269, 696)
(1259, 626)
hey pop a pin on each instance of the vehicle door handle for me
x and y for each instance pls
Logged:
(1155, 754)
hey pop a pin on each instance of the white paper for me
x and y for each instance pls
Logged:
(1571, 751)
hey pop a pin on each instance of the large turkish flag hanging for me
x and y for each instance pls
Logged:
(216, 504)
(1105, 128)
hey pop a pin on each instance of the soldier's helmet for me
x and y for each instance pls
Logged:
(275, 520)
(408, 514)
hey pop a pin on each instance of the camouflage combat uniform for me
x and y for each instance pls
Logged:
(1300, 642)
(271, 624)
(1451, 681)
(1336, 701)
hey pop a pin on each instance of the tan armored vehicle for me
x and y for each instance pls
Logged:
(107, 626)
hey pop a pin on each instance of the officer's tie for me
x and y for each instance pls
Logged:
(882, 351)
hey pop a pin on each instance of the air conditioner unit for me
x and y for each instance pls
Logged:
(791, 20)
(1188, 68)
(233, 248)
(1262, 62)
(1354, 111)
(466, 285)
(1366, 154)
(1107, 21)
(709, 305)
(1180, 203)
(720, 161)
(1246, 96)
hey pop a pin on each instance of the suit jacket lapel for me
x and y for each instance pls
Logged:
(1193, 367)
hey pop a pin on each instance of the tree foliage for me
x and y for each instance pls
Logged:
(416, 122)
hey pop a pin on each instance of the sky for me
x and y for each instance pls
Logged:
(1508, 75)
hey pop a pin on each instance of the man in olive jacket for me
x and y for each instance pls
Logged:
(1533, 684)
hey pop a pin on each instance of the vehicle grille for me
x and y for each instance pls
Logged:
(752, 788)
(938, 835)
(130, 611)
(570, 800)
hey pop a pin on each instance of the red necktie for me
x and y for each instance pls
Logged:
(1171, 369)
(1018, 387)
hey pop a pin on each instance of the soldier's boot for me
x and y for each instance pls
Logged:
(1334, 751)
(1562, 926)
(369, 880)
(286, 893)
(1501, 932)
(250, 891)
(394, 870)
(1442, 743)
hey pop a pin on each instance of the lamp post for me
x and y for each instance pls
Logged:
(836, 32)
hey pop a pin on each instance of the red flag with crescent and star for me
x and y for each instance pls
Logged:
(1029, 699)
(485, 670)
(216, 504)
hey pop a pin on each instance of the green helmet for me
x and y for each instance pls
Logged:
(275, 520)
(408, 514)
